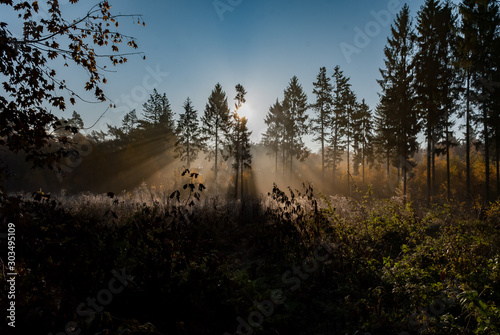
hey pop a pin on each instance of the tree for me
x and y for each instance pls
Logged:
(295, 107)
(436, 81)
(240, 140)
(273, 137)
(189, 138)
(341, 87)
(323, 107)
(466, 47)
(427, 74)
(450, 83)
(397, 85)
(362, 135)
(129, 122)
(385, 133)
(480, 22)
(157, 111)
(216, 123)
(487, 20)
(33, 86)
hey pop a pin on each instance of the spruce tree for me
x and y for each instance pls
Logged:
(189, 139)
(338, 124)
(295, 107)
(240, 139)
(362, 136)
(323, 107)
(216, 124)
(397, 85)
(273, 137)
(157, 111)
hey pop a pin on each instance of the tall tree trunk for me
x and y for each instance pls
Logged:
(216, 153)
(429, 152)
(188, 159)
(497, 149)
(348, 166)
(241, 176)
(363, 162)
(486, 157)
(448, 178)
(276, 168)
(322, 149)
(237, 175)
(334, 166)
(467, 143)
(433, 173)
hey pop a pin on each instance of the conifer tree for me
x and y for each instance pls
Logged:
(397, 85)
(189, 138)
(323, 107)
(295, 107)
(216, 124)
(240, 140)
(362, 136)
(273, 137)
(157, 111)
(336, 148)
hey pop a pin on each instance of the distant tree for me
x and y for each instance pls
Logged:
(216, 123)
(129, 122)
(351, 110)
(240, 140)
(295, 107)
(273, 137)
(397, 85)
(189, 137)
(362, 136)
(157, 111)
(385, 137)
(336, 141)
(323, 107)
(30, 81)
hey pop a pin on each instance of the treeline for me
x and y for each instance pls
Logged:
(439, 67)
(151, 146)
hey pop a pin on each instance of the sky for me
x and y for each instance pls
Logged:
(190, 45)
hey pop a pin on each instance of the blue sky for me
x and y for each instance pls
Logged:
(258, 43)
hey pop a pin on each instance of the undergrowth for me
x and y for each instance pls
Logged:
(333, 265)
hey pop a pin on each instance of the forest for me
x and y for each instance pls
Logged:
(177, 222)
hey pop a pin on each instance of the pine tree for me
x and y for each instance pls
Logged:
(129, 122)
(273, 137)
(450, 81)
(341, 87)
(362, 136)
(351, 110)
(466, 49)
(216, 123)
(189, 138)
(157, 111)
(323, 107)
(385, 138)
(487, 20)
(240, 140)
(295, 107)
(427, 76)
(397, 85)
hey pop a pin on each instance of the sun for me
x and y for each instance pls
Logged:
(244, 111)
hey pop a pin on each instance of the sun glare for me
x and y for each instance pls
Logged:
(244, 111)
